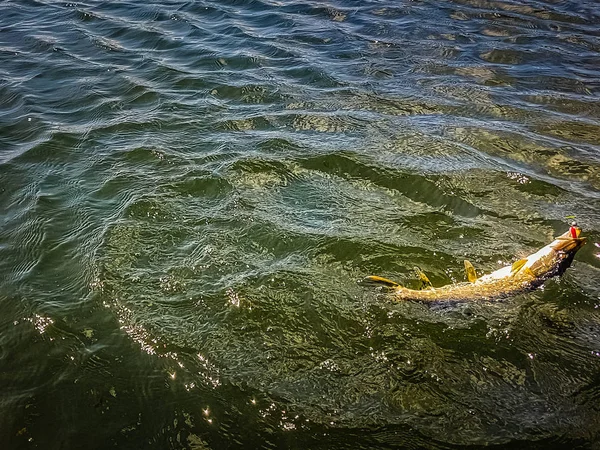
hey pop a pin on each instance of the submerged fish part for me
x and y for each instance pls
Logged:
(525, 274)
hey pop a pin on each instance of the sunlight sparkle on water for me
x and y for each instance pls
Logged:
(40, 322)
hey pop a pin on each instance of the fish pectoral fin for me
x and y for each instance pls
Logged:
(470, 272)
(425, 283)
(517, 265)
(374, 279)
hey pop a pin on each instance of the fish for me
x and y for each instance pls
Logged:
(523, 275)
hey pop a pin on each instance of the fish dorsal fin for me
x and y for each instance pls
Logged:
(425, 283)
(380, 280)
(470, 272)
(518, 264)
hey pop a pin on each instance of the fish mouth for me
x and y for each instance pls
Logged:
(569, 244)
(580, 242)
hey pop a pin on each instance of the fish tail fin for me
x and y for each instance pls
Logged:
(374, 279)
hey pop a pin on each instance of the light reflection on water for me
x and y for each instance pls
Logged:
(190, 192)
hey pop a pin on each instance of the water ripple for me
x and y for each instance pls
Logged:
(190, 191)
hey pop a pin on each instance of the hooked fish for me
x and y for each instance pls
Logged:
(523, 275)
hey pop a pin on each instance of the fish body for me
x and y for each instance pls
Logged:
(525, 274)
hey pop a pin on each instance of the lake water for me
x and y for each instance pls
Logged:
(191, 191)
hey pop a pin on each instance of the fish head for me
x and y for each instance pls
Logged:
(557, 256)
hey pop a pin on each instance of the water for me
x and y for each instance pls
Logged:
(190, 191)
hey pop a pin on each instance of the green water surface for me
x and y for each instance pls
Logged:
(191, 191)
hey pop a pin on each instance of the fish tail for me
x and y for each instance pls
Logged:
(380, 280)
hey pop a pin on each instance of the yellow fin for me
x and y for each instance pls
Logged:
(470, 272)
(517, 265)
(425, 283)
(380, 280)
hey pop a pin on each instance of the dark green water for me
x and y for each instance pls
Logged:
(190, 191)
